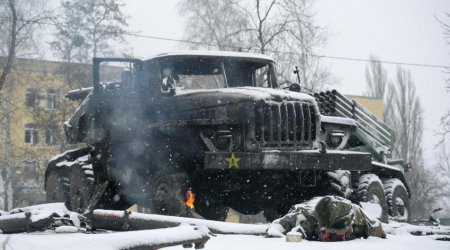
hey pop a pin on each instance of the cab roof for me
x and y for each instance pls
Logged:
(208, 53)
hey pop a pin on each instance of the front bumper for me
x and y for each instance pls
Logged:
(289, 160)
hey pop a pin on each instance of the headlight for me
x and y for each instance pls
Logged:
(335, 138)
(221, 139)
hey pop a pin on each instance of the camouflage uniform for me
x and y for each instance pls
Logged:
(327, 218)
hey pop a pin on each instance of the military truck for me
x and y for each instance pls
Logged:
(193, 133)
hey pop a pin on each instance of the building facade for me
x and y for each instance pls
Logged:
(32, 111)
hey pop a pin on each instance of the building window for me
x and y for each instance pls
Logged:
(31, 134)
(51, 135)
(32, 98)
(52, 99)
(31, 170)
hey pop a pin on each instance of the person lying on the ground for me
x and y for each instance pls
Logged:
(329, 218)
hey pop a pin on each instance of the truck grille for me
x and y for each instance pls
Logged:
(286, 124)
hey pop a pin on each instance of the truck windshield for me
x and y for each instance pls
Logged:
(213, 73)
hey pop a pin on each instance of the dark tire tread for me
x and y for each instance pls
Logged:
(394, 188)
(367, 186)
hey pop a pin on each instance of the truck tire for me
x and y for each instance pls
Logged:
(369, 188)
(167, 193)
(397, 200)
(81, 186)
(337, 183)
(57, 188)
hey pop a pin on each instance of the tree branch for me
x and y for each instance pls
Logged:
(11, 46)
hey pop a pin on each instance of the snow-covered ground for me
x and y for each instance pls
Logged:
(50, 240)
(72, 236)
(397, 242)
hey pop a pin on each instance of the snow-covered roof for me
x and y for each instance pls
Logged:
(208, 53)
(257, 93)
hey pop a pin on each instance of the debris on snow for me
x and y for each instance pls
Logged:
(38, 218)
(294, 237)
(66, 229)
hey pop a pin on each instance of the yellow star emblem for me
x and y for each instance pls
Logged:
(233, 161)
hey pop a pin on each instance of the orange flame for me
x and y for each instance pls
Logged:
(190, 198)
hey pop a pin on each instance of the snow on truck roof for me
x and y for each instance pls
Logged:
(208, 53)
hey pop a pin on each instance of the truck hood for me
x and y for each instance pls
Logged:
(216, 97)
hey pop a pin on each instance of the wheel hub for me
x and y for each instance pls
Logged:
(401, 213)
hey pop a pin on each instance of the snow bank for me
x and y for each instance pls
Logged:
(401, 228)
(405, 242)
(106, 241)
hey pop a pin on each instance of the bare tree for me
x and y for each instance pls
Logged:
(426, 190)
(443, 132)
(217, 17)
(444, 129)
(86, 29)
(406, 118)
(20, 26)
(376, 78)
(378, 84)
(446, 27)
(271, 27)
(20, 21)
(403, 110)
(443, 165)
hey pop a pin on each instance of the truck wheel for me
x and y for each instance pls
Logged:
(167, 193)
(81, 186)
(57, 188)
(337, 183)
(369, 188)
(397, 200)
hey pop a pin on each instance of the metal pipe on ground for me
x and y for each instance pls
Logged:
(130, 221)
(22, 222)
